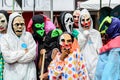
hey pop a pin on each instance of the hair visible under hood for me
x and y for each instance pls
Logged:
(83, 12)
(5, 13)
(61, 21)
(10, 24)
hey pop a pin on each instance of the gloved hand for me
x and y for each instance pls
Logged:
(75, 33)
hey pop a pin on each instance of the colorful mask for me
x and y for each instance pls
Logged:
(85, 21)
(65, 41)
(18, 25)
(3, 22)
(40, 28)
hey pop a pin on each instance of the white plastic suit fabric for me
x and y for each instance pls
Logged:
(18, 64)
(90, 42)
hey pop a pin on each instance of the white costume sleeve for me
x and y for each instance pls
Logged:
(99, 44)
(30, 55)
(96, 38)
(10, 56)
(81, 40)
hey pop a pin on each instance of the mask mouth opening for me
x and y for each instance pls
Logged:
(1, 28)
(86, 27)
(19, 31)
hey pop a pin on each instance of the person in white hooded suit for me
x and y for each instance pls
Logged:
(90, 41)
(18, 49)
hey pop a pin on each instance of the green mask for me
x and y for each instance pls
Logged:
(103, 27)
(40, 29)
(56, 33)
(40, 32)
(38, 25)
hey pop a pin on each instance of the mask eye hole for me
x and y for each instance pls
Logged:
(67, 20)
(22, 24)
(2, 21)
(83, 20)
(69, 40)
(62, 40)
(88, 19)
(38, 25)
(75, 16)
(17, 24)
(71, 20)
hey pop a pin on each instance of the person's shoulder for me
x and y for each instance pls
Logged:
(115, 49)
(4, 36)
(95, 31)
(28, 33)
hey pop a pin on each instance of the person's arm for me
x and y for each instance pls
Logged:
(44, 76)
(31, 51)
(111, 69)
(54, 52)
(55, 68)
(81, 40)
(98, 43)
(10, 56)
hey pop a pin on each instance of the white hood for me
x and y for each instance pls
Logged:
(19, 64)
(9, 29)
(84, 11)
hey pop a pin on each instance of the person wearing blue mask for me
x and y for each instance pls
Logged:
(109, 56)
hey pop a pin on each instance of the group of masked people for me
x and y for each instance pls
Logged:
(40, 51)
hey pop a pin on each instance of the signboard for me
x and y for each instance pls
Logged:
(95, 4)
(40, 5)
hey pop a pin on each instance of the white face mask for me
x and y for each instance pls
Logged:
(18, 26)
(85, 22)
(68, 20)
(3, 22)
